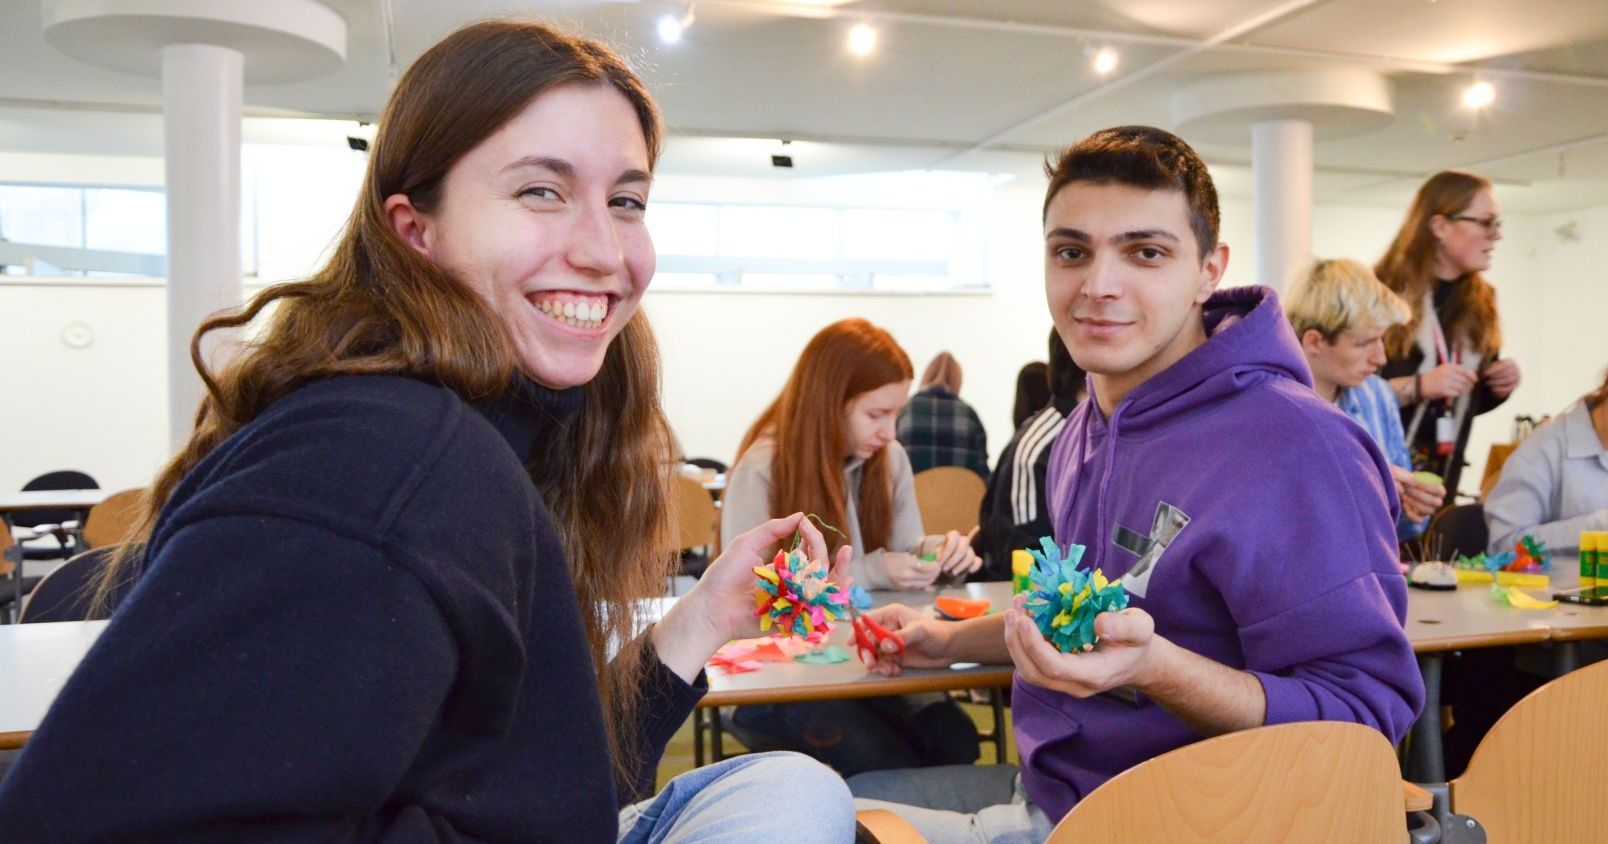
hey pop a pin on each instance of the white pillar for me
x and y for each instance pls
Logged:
(201, 102)
(1281, 198)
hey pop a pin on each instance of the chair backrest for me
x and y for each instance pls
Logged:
(66, 593)
(707, 463)
(1458, 529)
(109, 520)
(697, 519)
(5, 545)
(949, 498)
(1312, 781)
(1538, 774)
(1493, 466)
(64, 479)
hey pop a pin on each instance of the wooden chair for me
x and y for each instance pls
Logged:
(1493, 466)
(880, 826)
(697, 518)
(949, 498)
(1538, 774)
(109, 520)
(1313, 781)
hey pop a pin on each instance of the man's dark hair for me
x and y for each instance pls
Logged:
(1142, 157)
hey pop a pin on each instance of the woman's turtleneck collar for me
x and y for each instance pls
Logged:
(527, 411)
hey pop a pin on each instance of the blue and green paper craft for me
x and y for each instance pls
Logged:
(1065, 599)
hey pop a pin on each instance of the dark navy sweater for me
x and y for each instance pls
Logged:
(355, 623)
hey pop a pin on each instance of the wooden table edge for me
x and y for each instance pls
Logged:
(1577, 634)
(12, 741)
(942, 682)
(1484, 640)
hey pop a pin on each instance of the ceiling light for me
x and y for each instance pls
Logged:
(862, 39)
(1479, 95)
(669, 29)
(1105, 61)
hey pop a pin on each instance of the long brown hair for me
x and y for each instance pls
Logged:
(380, 307)
(1408, 269)
(842, 361)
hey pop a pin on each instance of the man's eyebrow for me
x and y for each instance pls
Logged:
(634, 176)
(1125, 237)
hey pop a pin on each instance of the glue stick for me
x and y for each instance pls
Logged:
(1588, 558)
(1021, 567)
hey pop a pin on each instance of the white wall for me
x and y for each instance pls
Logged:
(100, 409)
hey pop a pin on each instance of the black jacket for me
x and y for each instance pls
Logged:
(355, 623)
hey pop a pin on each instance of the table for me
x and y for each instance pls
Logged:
(1440, 622)
(791, 682)
(36, 660)
(44, 499)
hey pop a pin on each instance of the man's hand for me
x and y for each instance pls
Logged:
(925, 640)
(1419, 498)
(1123, 657)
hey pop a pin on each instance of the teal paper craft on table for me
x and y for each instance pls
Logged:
(1065, 599)
(829, 655)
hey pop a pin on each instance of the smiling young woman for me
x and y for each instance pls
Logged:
(383, 593)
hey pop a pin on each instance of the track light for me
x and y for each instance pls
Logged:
(671, 27)
(1105, 61)
(862, 39)
(1479, 95)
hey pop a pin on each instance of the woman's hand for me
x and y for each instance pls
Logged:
(720, 607)
(954, 553)
(1447, 381)
(908, 572)
(1502, 377)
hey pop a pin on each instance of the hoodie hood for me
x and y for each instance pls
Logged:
(1247, 339)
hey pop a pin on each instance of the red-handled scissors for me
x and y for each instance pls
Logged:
(869, 636)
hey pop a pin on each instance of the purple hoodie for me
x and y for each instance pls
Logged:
(1266, 520)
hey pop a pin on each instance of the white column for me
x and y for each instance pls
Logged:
(1281, 198)
(201, 101)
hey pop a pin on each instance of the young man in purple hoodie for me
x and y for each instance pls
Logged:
(1252, 523)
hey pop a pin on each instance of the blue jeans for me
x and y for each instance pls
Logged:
(950, 805)
(735, 801)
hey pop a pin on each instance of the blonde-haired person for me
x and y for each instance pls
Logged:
(1340, 313)
(386, 593)
(1444, 363)
(1555, 484)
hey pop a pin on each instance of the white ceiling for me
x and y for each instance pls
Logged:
(968, 84)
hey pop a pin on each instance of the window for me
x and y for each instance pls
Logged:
(807, 248)
(77, 231)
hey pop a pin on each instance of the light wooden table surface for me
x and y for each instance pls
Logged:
(35, 661)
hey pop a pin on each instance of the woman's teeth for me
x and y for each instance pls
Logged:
(575, 314)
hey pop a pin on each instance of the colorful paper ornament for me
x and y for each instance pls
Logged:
(1065, 599)
(794, 598)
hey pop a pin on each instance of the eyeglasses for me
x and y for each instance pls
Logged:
(1492, 224)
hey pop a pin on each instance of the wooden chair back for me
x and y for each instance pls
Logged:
(697, 518)
(1312, 781)
(1538, 774)
(1493, 466)
(949, 498)
(109, 520)
(6, 542)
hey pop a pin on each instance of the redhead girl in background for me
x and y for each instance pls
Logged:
(385, 594)
(826, 446)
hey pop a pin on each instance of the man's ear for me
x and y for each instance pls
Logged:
(1211, 272)
(409, 223)
(1312, 341)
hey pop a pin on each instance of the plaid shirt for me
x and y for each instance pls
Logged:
(938, 429)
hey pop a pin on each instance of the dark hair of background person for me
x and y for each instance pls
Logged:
(1066, 378)
(1032, 391)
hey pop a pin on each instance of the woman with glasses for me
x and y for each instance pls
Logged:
(1444, 364)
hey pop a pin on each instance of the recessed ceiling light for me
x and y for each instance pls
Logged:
(862, 39)
(1479, 95)
(1105, 61)
(669, 29)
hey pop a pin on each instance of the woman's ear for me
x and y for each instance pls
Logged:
(408, 222)
(1438, 224)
